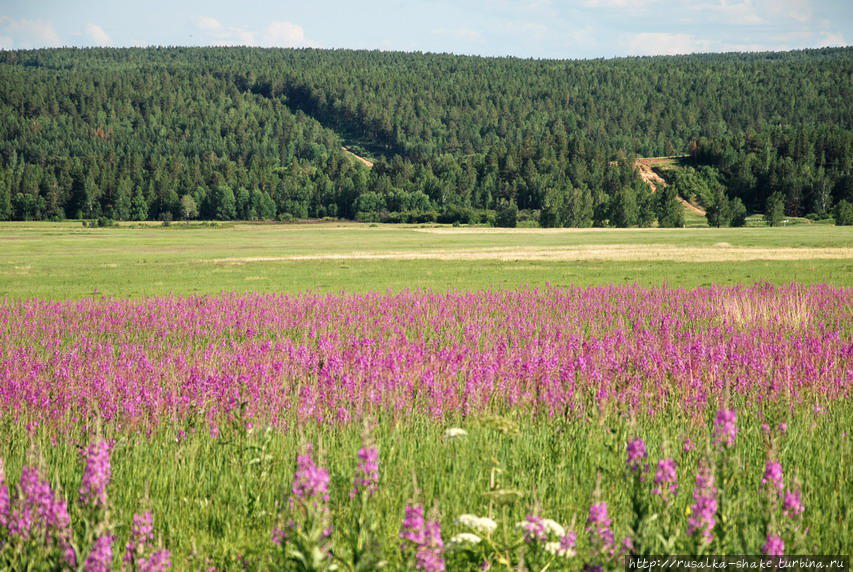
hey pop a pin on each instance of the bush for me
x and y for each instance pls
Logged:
(844, 213)
(507, 215)
(774, 211)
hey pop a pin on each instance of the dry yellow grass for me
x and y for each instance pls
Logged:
(604, 252)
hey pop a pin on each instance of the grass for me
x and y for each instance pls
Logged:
(215, 500)
(215, 503)
(65, 260)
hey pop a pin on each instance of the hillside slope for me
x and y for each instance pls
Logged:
(646, 170)
(258, 133)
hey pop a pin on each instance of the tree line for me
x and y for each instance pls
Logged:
(249, 133)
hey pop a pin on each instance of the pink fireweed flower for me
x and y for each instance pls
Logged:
(367, 472)
(688, 445)
(425, 536)
(159, 561)
(5, 503)
(636, 451)
(101, 555)
(413, 524)
(598, 527)
(666, 478)
(534, 529)
(569, 541)
(773, 546)
(773, 478)
(141, 534)
(703, 512)
(725, 428)
(792, 505)
(310, 482)
(38, 511)
(783, 428)
(96, 475)
(430, 555)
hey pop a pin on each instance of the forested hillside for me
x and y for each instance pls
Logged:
(248, 133)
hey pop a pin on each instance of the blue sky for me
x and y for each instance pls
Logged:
(524, 28)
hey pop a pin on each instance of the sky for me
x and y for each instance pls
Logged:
(565, 29)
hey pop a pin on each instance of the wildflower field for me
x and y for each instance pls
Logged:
(542, 428)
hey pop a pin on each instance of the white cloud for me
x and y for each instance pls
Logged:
(283, 35)
(754, 12)
(625, 4)
(208, 23)
(97, 35)
(831, 39)
(664, 44)
(745, 13)
(28, 33)
(462, 34)
(279, 34)
(586, 36)
(799, 10)
(527, 30)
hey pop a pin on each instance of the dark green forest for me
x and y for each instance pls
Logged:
(250, 133)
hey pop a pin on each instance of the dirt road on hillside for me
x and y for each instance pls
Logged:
(359, 157)
(652, 179)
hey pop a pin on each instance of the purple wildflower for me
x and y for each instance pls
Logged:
(157, 562)
(35, 503)
(310, 482)
(636, 450)
(413, 524)
(39, 511)
(569, 541)
(96, 475)
(367, 472)
(792, 505)
(703, 512)
(773, 478)
(5, 503)
(141, 533)
(534, 529)
(101, 555)
(773, 546)
(598, 528)
(426, 538)
(725, 428)
(688, 445)
(430, 555)
(666, 478)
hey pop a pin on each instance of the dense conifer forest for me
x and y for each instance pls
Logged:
(249, 133)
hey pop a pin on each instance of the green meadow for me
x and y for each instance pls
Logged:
(66, 260)
(215, 501)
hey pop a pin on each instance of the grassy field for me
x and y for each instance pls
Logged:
(215, 501)
(65, 260)
(172, 384)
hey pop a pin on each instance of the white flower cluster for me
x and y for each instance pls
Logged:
(465, 538)
(556, 549)
(552, 527)
(454, 432)
(479, 524)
